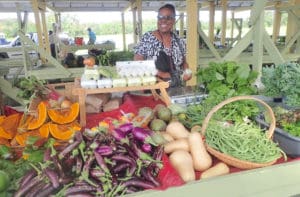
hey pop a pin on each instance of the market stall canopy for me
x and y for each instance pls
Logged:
(99, 5)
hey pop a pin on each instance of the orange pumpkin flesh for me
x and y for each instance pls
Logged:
(22, 138)
(44, 130)
(61, 132)
(8, 128)
(41, 117)
(64, 116)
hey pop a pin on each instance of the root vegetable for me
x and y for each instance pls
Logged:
(217, 170)
(183, 163)
(180, 144)
(201, 159)
(177, 130)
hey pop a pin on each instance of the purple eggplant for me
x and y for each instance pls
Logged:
(104, 150)
(27, 177)
(23, 190)
(143, 135)
(53, 177)
(100, 161)
(147, 148)
(138, 183)
(80, 189)
(126, 128)
(118, 134)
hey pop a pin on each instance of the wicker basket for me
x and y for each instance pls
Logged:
(229, 159)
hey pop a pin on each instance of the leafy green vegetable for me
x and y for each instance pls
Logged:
(283, 80)
(222, 81)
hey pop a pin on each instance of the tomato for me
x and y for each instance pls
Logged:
(4, 181)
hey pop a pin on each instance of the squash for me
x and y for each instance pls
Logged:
(4, 141)
(2, 119)
(61, 132)
(44, 130)
(8, 127)
(25, 120)
(64, 116)
(89, 61)
(41, 117)
(22, 138)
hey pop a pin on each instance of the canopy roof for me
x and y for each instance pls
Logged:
(111, 5)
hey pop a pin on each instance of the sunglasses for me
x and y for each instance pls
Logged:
(161, 17)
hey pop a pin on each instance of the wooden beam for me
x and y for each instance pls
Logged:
(10, 91)
(192, 38)
(224, 21)
(239, 47)
(276, 21)
(123, 31)
(257, 20)
(210, 46)
(272, 49)
(211, 31)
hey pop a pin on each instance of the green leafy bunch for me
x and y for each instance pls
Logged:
(228, 76)
(222, 81)
(31, 87)
(283, 80)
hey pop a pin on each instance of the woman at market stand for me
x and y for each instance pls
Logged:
(166, 48)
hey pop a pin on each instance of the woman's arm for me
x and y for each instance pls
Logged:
(138, 57)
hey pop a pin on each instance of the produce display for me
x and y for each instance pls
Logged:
(52, 155)
(124, 73)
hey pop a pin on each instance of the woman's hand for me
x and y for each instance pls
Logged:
(187, 74)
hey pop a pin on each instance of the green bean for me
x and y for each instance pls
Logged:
(243, 141)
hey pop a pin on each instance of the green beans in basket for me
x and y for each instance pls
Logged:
(244, 141)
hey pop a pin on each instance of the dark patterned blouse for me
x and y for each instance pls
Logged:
(149, 47)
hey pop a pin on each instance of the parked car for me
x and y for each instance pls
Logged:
(16, 42)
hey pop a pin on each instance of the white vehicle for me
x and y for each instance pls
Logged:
(14, 49)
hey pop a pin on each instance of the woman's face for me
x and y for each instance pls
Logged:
(165, 20)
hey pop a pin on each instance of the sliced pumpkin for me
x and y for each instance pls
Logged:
(64, 116)
(25, 120)
(61, 132)
(4, 134)
(44, 130)
(2, 119)
(9, 125)
(41, 117)
(22, 138)
(4, 141)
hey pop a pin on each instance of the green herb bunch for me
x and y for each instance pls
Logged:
(31, 87)
(283, 80)
(222, 81)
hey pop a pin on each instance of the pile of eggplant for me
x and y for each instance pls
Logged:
(97, 164)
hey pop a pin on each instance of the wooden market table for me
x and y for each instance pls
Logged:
(83, 92)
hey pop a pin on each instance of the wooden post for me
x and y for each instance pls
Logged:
(140, 20)
(224, 21)
(211, 31)
(276, 23)
(181, 25)
(123, 31)
(192, 38)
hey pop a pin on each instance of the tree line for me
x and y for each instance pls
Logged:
(72, 25)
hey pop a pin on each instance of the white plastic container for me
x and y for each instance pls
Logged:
(88, 84)
(134, 81)
(105, 83)
(121, 82)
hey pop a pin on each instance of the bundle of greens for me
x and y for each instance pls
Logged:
(222, 81)
(283, 80)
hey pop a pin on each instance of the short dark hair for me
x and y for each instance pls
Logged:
(169, 7)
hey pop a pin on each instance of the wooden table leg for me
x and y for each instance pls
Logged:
(165, 96)
(81, 99)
